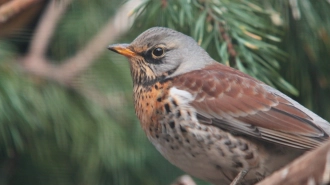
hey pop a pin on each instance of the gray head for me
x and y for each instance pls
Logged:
(162, 53)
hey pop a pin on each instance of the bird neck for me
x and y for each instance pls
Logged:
(145, 81)
(148, 100)
(143, 77)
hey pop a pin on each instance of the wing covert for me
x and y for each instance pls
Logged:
(232, 100)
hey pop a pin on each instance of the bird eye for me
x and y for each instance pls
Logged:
(157, 52)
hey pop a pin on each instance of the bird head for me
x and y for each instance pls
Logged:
(160, 53)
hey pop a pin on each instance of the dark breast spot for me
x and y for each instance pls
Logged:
(210, 142)
(243, 147)
(182, 129)
(178, 114)
(167, 108)
(172, 124)
(217, 136)
(228, 142)
(232, 145)
(221, 152)
(238, 164)
(174, 103)
(249, 156)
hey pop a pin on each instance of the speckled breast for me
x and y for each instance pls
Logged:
(149, 105)
(201, 150)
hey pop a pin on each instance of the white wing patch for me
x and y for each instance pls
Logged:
(183, 97)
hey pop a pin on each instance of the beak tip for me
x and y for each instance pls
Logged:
(110, 47)
(121, 49)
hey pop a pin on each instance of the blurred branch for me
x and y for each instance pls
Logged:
(105, 101)
(35, 61)
(114, 28)
(184, 180)
(46, 27)
(7, 166)
(311, 168)
(14, 7)
(295, 9)
(230, 47)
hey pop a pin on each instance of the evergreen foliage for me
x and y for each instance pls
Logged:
(284, 43)
(51, 134)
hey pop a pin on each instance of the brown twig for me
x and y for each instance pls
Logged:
(46, 27)
(225, 36)
(184, 180)
(37, 64)
(114, 28)
(311, 168)
(164, 3)
(35, 61)
(105, 101)
(14, 7)
(230, 47)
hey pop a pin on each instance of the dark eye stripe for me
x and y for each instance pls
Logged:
(148, 57)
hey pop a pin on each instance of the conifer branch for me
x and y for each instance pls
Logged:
(35, 61)
(37, 64)
(311, 168)
(46, 27)
(12, 8)
(230, 47)
(113, 29)
(184, 180)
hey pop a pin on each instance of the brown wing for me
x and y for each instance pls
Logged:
(232, 100)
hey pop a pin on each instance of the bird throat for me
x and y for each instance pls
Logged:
(149, 91)
(147, 100)
(142, 75)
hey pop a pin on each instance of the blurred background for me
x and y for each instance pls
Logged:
(66, 109)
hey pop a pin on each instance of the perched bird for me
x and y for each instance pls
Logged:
(212, 121)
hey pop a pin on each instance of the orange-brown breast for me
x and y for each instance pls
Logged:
(149, 105)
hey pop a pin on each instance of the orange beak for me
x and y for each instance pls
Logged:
(122, 49)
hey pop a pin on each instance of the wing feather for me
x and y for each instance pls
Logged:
(234, 101)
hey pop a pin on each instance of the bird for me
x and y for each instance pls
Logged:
(212, 121)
